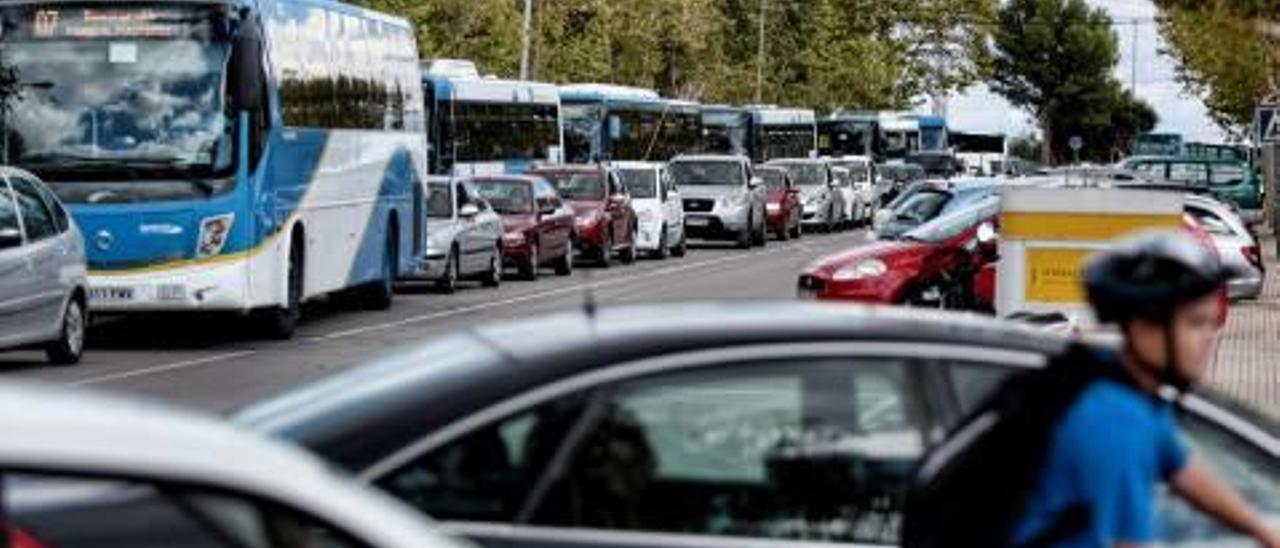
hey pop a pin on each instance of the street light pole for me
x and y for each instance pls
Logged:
(524, 39)
(760, 57)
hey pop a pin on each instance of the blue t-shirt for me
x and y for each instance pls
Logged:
(1110, 451)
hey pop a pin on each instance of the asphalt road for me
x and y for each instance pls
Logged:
(211, 363)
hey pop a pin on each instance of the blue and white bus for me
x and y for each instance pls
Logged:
(762, 133)
(614, 123)
(231, 155)
(486, 126)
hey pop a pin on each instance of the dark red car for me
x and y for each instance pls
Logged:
(606, 222)
(934, 264)
(783, 208)
(538, 225)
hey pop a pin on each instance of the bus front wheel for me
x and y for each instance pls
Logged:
(280, 322)
(379, 293)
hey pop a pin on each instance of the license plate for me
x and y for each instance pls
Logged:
(696, 221)
(111, 293)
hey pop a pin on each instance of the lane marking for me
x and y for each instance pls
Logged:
(163, 368)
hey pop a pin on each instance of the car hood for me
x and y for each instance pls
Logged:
(442, 229)
(807, 192)
(708, 191)
(515, 223)
(897, 254)
(646, 204)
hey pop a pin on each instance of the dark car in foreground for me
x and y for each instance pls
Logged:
(711, 425)
(606, 223)
(538, 226)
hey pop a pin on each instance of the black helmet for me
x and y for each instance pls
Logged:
(1151, 275)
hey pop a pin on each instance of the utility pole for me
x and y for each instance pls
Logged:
(524, 39)
(1133, 60)
(760, 57)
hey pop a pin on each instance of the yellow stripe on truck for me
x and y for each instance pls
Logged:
(1022, 225)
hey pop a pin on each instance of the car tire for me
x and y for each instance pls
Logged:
(448, 282)
(664, 247)
(380, 294)
(279, 323)
(605, 258)
(784, 233)
(629, 256)
(564, 265)
(529, 269)
(745, 236)
(761, 237)
(797, 230)
(69, 347)
(493, 277)
(681, 248)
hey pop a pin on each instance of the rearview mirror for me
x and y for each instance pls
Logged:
(468, 211)
(10, 238)
(548, 209)
(754, 182)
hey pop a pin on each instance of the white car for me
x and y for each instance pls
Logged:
(656, 199)
(82, 469)
(1237, 247)
(862, 171)
(850, 200)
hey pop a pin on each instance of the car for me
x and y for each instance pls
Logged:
(85, 469)
(44, 293)
(1237, 247)
(537, 224)
(865, 185)
(722, 199)
(464, 236)
(659, 208)
(850, 198)
(895, 178)
(606, 223)
(784, 202)
(928, 200)
(822, 201)
(700, 424)
(933, 264)
(1230, 180)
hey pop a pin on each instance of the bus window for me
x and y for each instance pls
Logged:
(1190, 172)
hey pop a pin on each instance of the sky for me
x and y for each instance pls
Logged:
(978, 109)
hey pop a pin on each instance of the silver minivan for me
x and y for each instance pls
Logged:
(43, 287)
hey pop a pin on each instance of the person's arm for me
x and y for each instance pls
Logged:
(1200, 486)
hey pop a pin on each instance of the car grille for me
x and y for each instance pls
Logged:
(699, 205)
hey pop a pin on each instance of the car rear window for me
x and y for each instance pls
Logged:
(641, 183)
(577, 186)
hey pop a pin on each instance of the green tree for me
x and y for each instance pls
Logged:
(1052, 57)
(485, 31)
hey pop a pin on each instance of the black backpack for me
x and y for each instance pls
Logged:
(970, 490)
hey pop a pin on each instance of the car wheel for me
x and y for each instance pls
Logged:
(564, 265)
(280, 322)
(529, 270)
(744, 236)
(448, 282)
(629, 256)
(664, 248)
(606, 251)
(681, 248)
(493, 277)
(784, 233)
(797, 230)
(69, 347)
(761, 237)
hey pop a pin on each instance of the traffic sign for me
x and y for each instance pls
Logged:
(1265, 127)
(1075, 142)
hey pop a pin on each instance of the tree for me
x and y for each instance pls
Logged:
(1051, 56)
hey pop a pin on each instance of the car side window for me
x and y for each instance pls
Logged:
(1211, 223)
(71, 511)
(36, 216)
(1191, 172)
(819, 448)
(8, 211)
(61, 219)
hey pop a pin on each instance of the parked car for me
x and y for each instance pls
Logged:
(722, 198)
(934, 264)
(850, 199)
(85, 470)
(44, 295)
(537, 224)
(1237, 247)
(925, 201)
(784, 202)
(606, 223)
(1230, 180)
(865, 184)
(714, 425)
(464, 236)
(822, 201)
(659, 208)
(895, 178)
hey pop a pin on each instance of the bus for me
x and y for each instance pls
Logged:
(239, 156)
(604, 122)
(1157, 144)
(933, 135)
(488, 126)
(762, 133)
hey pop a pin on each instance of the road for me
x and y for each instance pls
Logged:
(211, 363)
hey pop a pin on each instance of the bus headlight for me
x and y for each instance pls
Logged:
(214, 232)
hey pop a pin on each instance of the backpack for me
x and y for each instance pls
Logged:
(970, 490)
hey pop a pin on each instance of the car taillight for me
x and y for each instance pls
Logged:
(1254, 254)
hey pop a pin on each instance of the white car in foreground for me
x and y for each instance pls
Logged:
(80, 469)
(656, 199)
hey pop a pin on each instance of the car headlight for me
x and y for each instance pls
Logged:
(869, 268)
(773, 206)
(734, 200)
(513, 238)
(214, 232)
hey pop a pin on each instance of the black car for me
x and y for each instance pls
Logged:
(695, 425)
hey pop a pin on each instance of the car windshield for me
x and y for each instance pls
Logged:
(577, 186)
(439, 201)
(949, 226)
(640, 183)
(922, 206)
(151, 95)
(804, 174)
(773, 179)
(702, 173)
(508, 197)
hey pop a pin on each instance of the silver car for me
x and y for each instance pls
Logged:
(43, 289)
(722, 199)
(820, 198)
(1237, 247)
(464, 236)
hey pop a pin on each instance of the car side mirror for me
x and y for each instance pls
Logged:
(754, 182)
(549, 209)
(468, 211)
(10, 238)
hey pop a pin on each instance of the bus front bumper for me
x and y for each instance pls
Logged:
(204, 287)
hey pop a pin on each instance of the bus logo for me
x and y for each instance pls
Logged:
(46, 21)
(103, 240)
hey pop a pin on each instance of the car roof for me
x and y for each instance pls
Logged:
(1182, 159)
(530, 179)
(636, 165)
(433, 383)
(570, 168)
(710, 158)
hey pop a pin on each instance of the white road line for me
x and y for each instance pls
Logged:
(163, 368)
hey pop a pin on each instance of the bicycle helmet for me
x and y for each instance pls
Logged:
(1150, 276)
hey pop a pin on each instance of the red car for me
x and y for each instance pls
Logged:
(606, 223)
(935, 264)
(538, 225)
(783, 207)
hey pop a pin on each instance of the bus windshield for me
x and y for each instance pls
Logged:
(725, 132)
(104, 90)
(581, 123)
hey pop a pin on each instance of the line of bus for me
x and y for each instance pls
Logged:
(605, 122)
(762, 133)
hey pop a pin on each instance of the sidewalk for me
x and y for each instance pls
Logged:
(1248, 361)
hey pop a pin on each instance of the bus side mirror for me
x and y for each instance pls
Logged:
(246, 78)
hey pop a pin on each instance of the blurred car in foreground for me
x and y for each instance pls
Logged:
(784, 202)
(44, 296)
(605, 223)
(81, 470)
(464, 236)
(538, 226)
(712, 425)
(656, 199)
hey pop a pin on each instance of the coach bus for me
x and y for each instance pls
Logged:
(615, 123)
(483, 126)
(237, 156)
(851, 134)
(761, 132)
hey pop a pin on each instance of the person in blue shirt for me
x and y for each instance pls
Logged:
(1118, 441)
